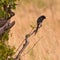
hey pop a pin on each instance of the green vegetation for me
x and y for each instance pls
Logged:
(6, 7)
(9, 4)
(32, 26)
(5, 35)
(5, 51)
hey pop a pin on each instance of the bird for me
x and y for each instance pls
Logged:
(39, 21)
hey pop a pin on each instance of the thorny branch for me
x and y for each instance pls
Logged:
(25, 44)
(31, 47)
(39, 21)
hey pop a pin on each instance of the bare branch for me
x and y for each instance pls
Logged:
(7, 26)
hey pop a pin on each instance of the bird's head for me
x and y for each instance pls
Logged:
(42, 17)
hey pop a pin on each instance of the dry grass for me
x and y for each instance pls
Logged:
(38, 3)
(48, 48)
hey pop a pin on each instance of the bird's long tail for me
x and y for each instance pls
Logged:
(38, 26)
(36, 29)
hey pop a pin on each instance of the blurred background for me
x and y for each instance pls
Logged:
(45, 45)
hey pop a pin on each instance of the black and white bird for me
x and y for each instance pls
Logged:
(39, 21)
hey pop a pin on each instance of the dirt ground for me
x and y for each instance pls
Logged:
(45, 45)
